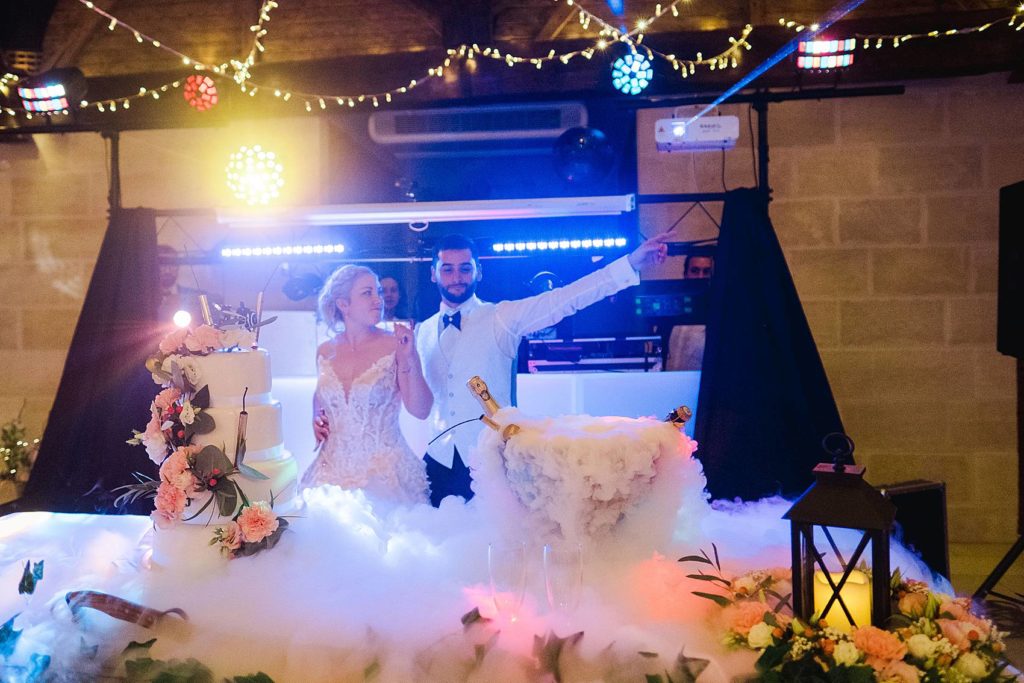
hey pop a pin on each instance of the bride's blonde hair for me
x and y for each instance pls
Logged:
(338, 286)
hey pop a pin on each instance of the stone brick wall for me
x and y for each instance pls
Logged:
(53, 215)
(887, 210)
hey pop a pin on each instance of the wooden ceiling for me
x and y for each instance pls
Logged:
(371, 45)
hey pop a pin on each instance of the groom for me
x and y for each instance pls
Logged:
(468, 337)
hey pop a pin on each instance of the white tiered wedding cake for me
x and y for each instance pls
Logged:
(216, 434)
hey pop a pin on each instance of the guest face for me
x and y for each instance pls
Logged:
(390, 293)
(363, 306)
(456, 275)
(699, 268)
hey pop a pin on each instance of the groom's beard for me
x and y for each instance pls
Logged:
(469, 289)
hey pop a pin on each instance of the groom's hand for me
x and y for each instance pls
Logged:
(652, 252)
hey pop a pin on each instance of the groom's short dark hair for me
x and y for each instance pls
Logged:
(453, 243)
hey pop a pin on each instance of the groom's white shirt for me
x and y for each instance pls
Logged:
(486, 346)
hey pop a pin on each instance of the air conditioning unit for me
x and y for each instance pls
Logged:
(468, 124)
(706, 133)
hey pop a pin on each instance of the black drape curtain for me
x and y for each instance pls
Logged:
(105, 389)
(765, 402)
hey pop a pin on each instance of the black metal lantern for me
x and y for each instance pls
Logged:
(840, 498)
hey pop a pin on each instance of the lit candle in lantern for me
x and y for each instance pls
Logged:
(856, 594)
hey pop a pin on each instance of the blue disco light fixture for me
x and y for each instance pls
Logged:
(631, 73)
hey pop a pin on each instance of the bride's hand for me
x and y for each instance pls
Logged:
(321, 428)
(406, 351)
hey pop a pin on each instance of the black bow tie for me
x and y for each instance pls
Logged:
(453, 319)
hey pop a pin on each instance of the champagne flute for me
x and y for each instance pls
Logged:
(506, 563)
(563, 576)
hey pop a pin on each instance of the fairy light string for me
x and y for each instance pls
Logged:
(876, 41)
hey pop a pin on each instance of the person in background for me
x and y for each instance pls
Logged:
(391, 293)
(686, 343)
(468, 337)
(174, 297)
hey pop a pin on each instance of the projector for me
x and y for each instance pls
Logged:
(707, 132)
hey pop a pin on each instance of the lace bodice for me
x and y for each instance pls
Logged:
(366, 448)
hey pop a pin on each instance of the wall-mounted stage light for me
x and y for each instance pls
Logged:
(254, 175)
(575, 244)
(200, 92)
(822, 55)
(182, 319)
(631, 73)
(284, 250)
(53, 91)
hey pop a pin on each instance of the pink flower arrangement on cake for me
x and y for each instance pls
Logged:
(930, 637)
(190, 472)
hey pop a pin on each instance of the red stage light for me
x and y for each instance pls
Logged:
(201, 92)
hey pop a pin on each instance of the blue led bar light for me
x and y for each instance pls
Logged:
(288, 250)
(574, 244)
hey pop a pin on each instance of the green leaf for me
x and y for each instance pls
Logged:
(372, 671)
(32, 575)
(720, 600)
(251, 473)
(473, 616)
(8, 637)
(202, 424)
(695, 558)
(654, 678)
(709, 577)
(227, 500)
(258, 677)
(201, 399)
(211, 458)
(772, 656)
(136, 645)
(718, 565)
(38, 664)
(648, 655)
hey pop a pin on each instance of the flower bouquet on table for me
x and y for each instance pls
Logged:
(190, 472)
(931, 637)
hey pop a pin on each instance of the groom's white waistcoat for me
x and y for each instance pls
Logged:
(486, 346)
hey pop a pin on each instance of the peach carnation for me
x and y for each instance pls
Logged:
(175, 470)
(170, 499)
(898, 671)
(913, 604)
(960, 633)
(743, 616)
(163, 520)
(879, 644)
(204, 338)
(166, 398)
(173, 341)
(257, 521)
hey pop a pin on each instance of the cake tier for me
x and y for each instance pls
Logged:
(186, 547)
(263, 434)
(229, 373)
(281, 485)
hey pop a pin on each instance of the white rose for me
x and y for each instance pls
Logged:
(846, 653)
(972, 666)
(188, 414)
(921, 646)
(238, 336)
(760, 636)
(744, 584)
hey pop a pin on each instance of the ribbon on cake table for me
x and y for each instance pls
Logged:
(119, 608)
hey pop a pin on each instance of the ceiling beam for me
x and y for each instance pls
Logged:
(558, 17)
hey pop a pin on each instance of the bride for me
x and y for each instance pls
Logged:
(364, 376)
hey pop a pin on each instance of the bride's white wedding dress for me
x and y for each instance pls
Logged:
(365, 448)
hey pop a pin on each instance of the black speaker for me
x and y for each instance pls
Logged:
(921, 519)
(1010, 325)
